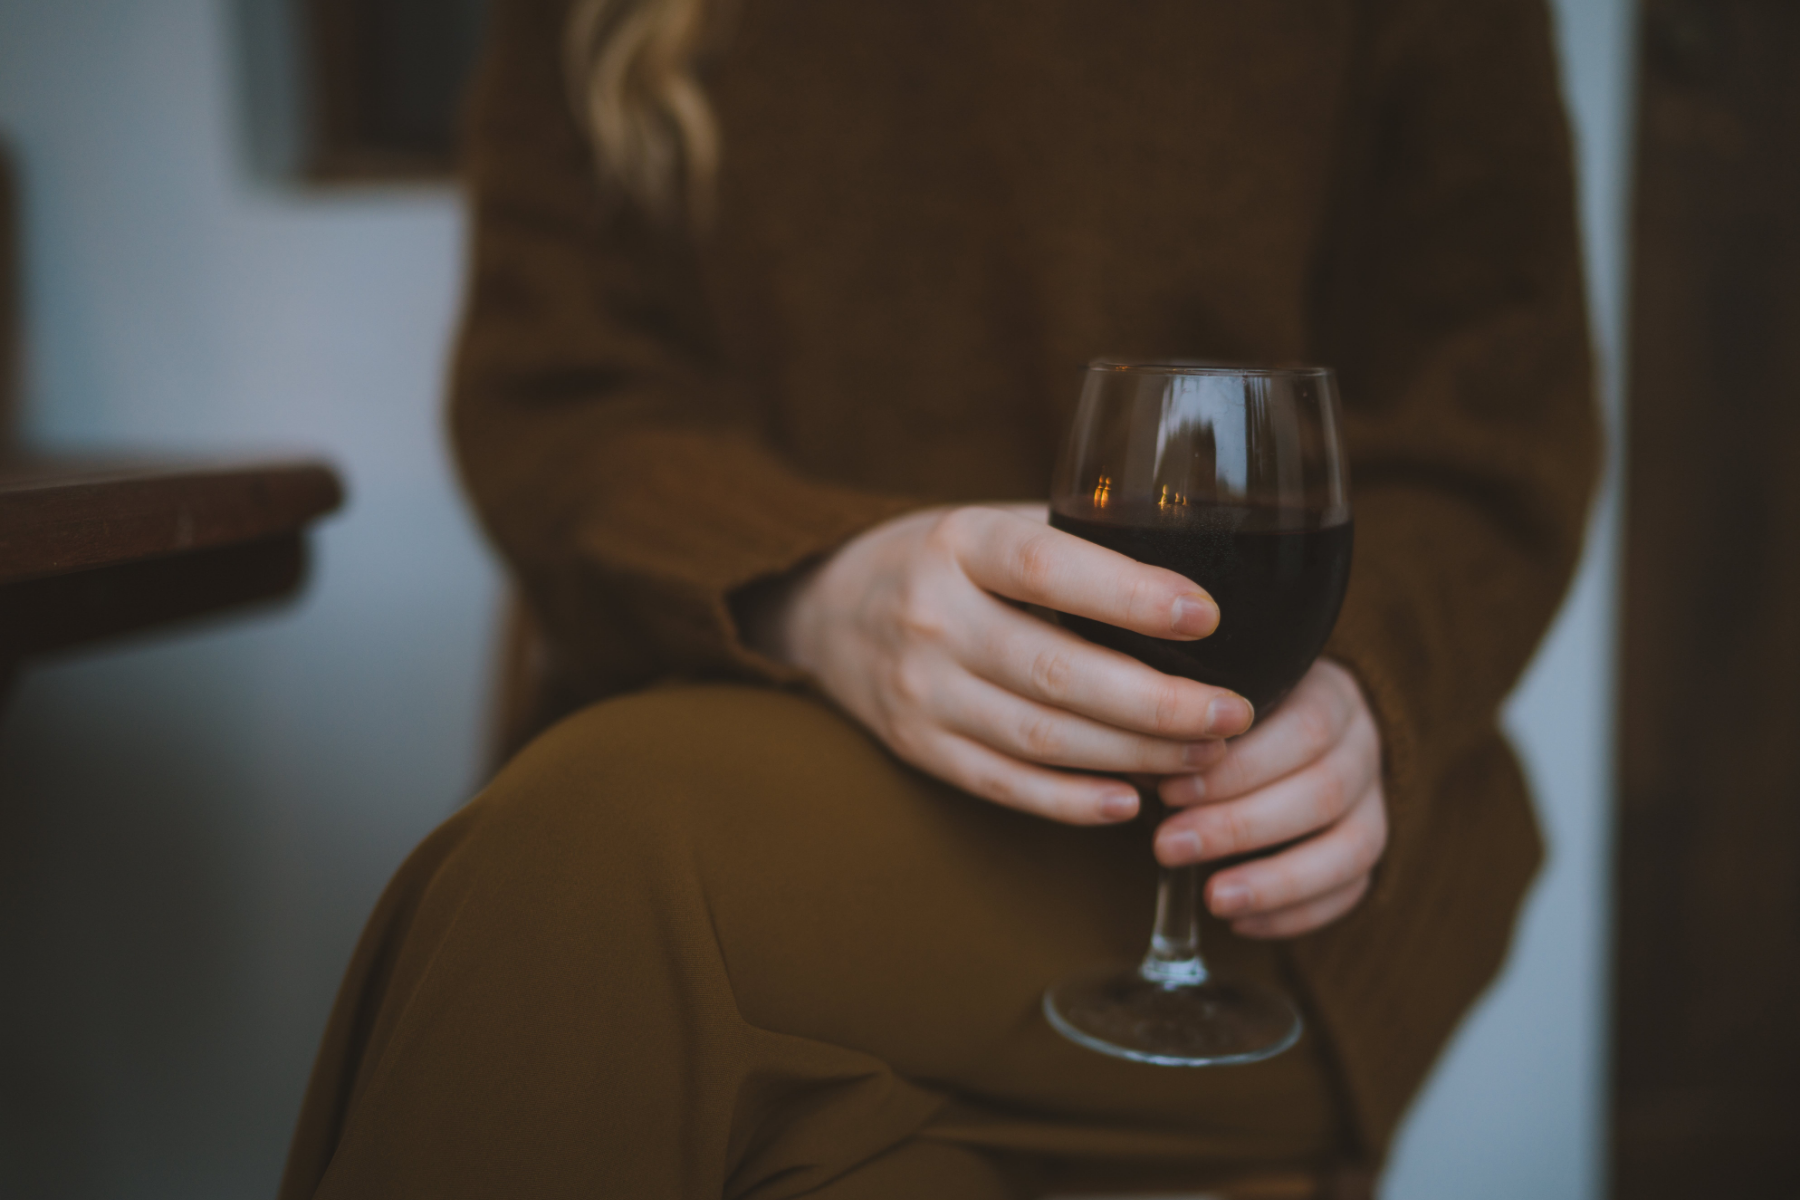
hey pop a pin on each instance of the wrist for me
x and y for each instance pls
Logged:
(765, 613)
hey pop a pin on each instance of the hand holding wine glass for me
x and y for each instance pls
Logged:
(916, 629)
(1311, 767)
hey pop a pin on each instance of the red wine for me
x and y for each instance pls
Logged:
(1278, 590)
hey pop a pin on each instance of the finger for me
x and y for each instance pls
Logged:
(1293, 806)
(1071, 799)
(1052, 666)
(1312, 869)
(1016, 557)
(1322, 711)
(1039, 733)
(1304, 917)
(1037, 513)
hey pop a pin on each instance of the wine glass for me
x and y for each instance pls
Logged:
(1235, 477)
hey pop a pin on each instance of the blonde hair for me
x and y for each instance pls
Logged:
(631, 74)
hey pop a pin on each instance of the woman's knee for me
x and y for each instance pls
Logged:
(658, 765)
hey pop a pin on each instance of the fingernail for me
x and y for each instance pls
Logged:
(1195, 616)
(1180, 848)
(1200, 754)
(1229, 715)
(1119, 805)
(1228, 898)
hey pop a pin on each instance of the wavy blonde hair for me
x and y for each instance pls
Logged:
(631, 67)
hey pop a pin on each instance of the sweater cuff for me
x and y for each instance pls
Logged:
(708, 514)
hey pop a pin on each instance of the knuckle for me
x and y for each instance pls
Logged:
(1005, 789)
(1233, 825)
(1141, 595)
(995, 787)
(1166, 707)
(1034, 563)
(918, 613)
(1330, 798)
(1052, 673)
(979, 780)
(1314, 728)
(1041, 735)
(910, 683)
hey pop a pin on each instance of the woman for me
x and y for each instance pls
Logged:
(762, 329)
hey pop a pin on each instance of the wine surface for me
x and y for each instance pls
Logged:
(1278, 590)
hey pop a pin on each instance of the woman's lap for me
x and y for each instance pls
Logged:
(720, 941)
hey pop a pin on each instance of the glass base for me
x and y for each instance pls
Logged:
(1212, 1023)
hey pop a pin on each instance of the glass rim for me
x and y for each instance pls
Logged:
(1176, 366)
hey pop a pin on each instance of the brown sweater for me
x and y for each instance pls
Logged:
(931, 214)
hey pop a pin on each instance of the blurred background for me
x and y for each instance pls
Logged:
(217, 256)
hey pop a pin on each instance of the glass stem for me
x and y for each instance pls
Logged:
(1174, 956)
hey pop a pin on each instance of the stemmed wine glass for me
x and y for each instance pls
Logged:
(1235, 477)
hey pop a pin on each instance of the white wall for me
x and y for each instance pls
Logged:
(1517, 1106)
(192, 830)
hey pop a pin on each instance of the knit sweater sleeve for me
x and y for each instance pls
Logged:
(616, 462)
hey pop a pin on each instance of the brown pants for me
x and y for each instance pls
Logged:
(714, 941)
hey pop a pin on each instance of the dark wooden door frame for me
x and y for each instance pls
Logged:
(1706, 1078)
(10, 335)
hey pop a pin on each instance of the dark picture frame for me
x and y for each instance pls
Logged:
(385, 81)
